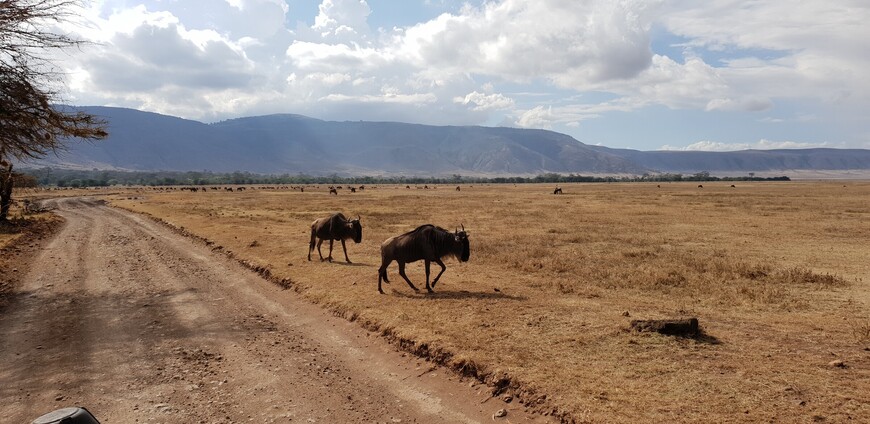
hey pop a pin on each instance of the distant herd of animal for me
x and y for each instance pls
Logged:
(427, 242)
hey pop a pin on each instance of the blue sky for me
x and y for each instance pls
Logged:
(648, 75)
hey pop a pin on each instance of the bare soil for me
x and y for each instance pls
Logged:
(139, 324)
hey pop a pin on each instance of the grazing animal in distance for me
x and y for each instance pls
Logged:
(458, 189)
(353, 189)
(427, 242)
(700, 186)
(333, 191)
(558, 190)
(733, 186)
(335, 227)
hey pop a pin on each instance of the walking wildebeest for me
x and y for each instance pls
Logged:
(426, 242)
(333, 191)
(335, 227)
(558, 190)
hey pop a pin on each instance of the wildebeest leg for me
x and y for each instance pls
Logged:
(402, 273)
(345, 251)
(319, 242)
(329, 258)
(438, 261)
(426, 265)
(311, 244)
(382, 274)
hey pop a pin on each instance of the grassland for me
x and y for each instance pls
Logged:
(777, 273)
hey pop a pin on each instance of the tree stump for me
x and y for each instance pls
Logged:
(687, 327)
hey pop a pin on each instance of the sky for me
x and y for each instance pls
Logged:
(646, 75)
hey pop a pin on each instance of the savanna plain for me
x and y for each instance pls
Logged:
(776, 273)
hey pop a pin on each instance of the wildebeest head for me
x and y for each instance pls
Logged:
(356, 228)
(462, 237)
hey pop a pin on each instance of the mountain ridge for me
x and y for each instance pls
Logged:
(292, 143)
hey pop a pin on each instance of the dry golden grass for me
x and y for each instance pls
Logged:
(777, 274)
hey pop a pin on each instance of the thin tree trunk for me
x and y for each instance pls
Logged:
(6, 182)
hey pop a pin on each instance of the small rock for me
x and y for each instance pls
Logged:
(495, 289)
(59, 398)
(626, 314)
(507, 398)
(837, 363)
(500, 413)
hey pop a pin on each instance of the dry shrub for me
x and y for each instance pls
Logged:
(861, 330)
(800, 275)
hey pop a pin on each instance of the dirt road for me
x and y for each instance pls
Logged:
(139, 324)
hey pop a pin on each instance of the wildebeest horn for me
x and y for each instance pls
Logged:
(463, 227)
(357, 217)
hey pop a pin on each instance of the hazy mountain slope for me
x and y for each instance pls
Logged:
(411, 148)
(293, 143)
(748, 160)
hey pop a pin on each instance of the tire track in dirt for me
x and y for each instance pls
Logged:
(137, 323)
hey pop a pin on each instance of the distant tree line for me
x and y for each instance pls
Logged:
(52, 177)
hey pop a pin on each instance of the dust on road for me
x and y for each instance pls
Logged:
(139, 324)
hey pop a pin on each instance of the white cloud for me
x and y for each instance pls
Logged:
(389, 97)
(715, 146)
(476, 64)
(539, 117)
(817, 45)
(342, 19)
(571, 42)
(482, 101)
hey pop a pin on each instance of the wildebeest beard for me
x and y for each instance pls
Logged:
(466, 249)
(357, 230)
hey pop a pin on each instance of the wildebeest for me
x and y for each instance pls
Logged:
(335, 227)
(558, 190)
(458, 189)
(426, 242)
(333, 191)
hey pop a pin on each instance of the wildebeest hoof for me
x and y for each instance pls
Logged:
(349, 262)
(430, 290)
